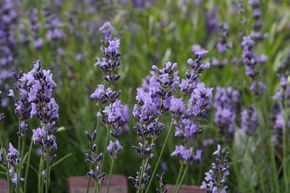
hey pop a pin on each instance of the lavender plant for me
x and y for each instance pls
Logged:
(153, 100)
(8, 20)
(250, 60)
(258, 22)
(187, 120)
(115, 115)
(35, 27)
(227, 102)
(216, 178)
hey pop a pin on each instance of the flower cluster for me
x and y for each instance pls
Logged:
(216, 178)
(282, 103)
(249, 120)
(114, 114)
(35, 27)
(227, 101)
(22, 104)
(12, 161)
(94, 159)
(250, 60)
(211, 21)
(153, 100)
(53, 26)
(54, 31)
(8, 19)
(40, 85)
(222, 45)
(188, 116)
(258, 22)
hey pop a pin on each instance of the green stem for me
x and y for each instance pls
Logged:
(104, 151)
(40, 167)
(273, 164)
(159, 158)
(27, 166)
(47, 173)
(97, 186)
(110, 175)
(19, 164)
(182, 178)
(10, 190)
(178, 177)
(88, 185)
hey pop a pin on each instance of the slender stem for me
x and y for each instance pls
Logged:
(40, 167)
(285, 145)
(110, 175)
(19, 164)
(178, 177)
(160, 155)
(182, 178)
(27, 166)
(273, 164)
(88, 185)
(97, 186)
(105, 146)
(47, 174)
(10, 190)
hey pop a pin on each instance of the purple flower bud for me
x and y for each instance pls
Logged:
(182, 153)
(249, 120)
(114, 148)
(177, 106)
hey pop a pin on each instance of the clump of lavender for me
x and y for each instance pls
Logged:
(211, 21)
(8, 19)
(162, 188)
(22, 104)
(188, 118)
(282, 103)
(250, 60)
(35, 27)
(249, 120)
(43, 107)
(227, 101)
(54, 31)
(115, 115)
(153, 100)
(12, 162)
(222, 45)
(258, 22)
(140, 4)
(216, 178)
(94, 159)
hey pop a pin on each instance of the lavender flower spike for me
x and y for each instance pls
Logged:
(216, 178)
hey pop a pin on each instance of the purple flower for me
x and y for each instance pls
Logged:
(113, 46)
(249, 120)
(106, 29)
(38, 134)
(182, 153)
(226, 103)
(99, 94)
(222, 45)
(13, 154)
(114, 148)
(200, 101)
(186, 128)
(177, 106)
(116, 115)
